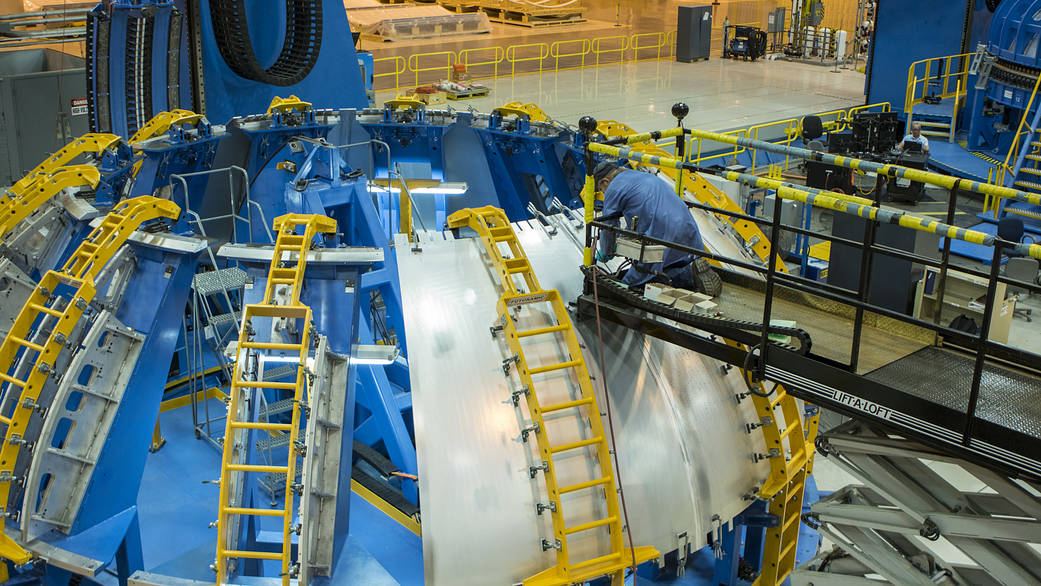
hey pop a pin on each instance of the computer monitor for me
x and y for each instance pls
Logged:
(912, 146)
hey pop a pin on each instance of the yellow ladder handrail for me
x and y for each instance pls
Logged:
(20, 203)
(98, 247)
(287, 244)
(493, 227)
(95, 143)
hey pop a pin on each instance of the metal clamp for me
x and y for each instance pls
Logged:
(552, 506)
(548, 545)
(498, 327)
(515, 359)
(534, 428)
(766, 420)
(773, 453)
(533, 471)
(515, 395)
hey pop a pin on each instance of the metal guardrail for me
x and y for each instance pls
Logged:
(949, 73)
(530, 57)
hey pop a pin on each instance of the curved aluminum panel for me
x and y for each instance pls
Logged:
(683, 452)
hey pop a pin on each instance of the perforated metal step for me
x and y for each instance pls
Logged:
(211, 282)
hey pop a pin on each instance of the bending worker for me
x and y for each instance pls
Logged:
(646, 201)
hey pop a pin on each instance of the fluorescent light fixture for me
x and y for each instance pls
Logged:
(381, 354)
(423, 187)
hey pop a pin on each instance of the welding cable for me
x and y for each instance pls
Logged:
(610, 420)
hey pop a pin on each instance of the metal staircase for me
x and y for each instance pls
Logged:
(215, 318)
(281, 303)
(495, 231)
(1021, 167)
(42, 329)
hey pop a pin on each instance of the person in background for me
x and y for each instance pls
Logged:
(916, 137)
(647, 202)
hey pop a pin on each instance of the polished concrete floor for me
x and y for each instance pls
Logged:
(722, 94)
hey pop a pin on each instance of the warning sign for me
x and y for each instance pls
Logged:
(78, 107)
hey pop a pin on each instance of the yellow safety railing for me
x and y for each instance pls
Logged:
(400, 67)
(698, 153)
(950, 73)
(598, 50)
(609, 49)
(780, 132)
(882, 107)
(478, 57)
(834, 121)
(513, 59)
(647, 42)
(584, 47)
(449, 60)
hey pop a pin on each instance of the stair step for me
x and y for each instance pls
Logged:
(936, 124)
(1028, 185)
(936, 133)
(211, 282)
(1030, 170)
(283, 406)
(272, 442)
(1033, 157)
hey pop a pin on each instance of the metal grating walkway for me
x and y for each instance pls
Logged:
(1007, 398)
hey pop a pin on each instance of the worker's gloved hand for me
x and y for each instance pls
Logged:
(601, 257)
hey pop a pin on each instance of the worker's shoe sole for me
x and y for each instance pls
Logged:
(705, 278)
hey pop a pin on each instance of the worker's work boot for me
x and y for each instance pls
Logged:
(705, 278)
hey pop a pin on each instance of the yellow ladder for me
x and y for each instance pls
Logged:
(289, 272)
(45, 310)
(22, 201)
(789, 451)
(88, 143)
(494, 229)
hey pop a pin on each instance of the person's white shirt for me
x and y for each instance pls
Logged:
(920, 140)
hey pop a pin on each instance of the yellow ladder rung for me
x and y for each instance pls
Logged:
(5, 420)
(781, 395)
(25, 343)
(261, 425)
(552, 367)
(283, 281)
(595, 561)
(258, 512)
(576, 445)
(788, 430)
(590, 525)
(12, 380)
(256, 384)
(273, 346)
(47, 310)
(789, 522)
(258, 468)
(587, 484)
(254, 555)
(501, 234)
(517, 265)
(566, 405)
(786, 549)
(540, 331)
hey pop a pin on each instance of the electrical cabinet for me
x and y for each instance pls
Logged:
(694, 33)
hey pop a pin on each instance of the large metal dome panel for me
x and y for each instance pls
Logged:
(684, 456)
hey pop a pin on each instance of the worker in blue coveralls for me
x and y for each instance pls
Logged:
(646, 201)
